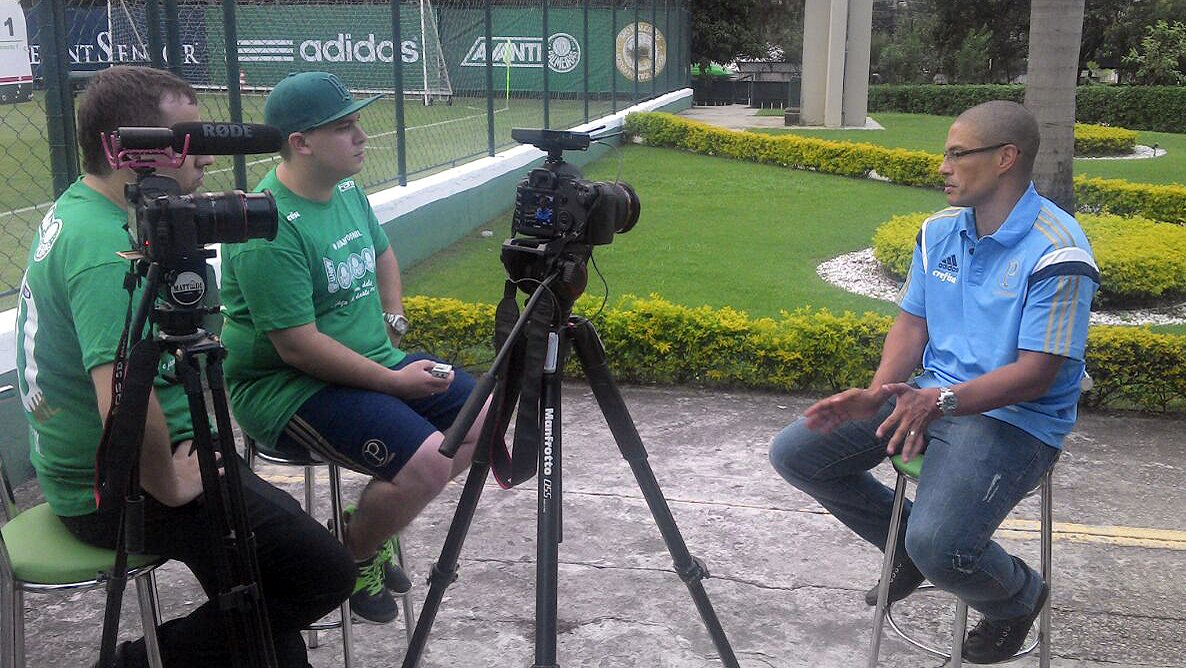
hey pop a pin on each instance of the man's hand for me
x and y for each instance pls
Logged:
(415, 382)
(855, 404)
(184, 479)
(907, 425)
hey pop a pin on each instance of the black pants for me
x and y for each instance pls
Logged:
(305, 572)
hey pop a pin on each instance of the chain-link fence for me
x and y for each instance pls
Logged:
(469, 71)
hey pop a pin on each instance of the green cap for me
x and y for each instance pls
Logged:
(306, 100)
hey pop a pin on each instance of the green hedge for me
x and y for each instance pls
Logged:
(1140, 260)
(1165, 203)
(1100, 140)
(1157, 108)
(649, 340)
(916, 168)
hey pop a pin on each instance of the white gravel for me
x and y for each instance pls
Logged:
(862, 274)
(1140, 152)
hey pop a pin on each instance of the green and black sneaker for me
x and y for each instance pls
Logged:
(371, 602)
(394, 577)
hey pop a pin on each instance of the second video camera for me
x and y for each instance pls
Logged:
(555, 202)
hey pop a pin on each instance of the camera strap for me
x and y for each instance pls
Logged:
(522, 386)
(118, 373)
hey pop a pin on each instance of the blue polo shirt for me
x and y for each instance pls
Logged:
(1027, 286)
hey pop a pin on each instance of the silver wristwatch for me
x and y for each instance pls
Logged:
(947, 402)
(397, 322)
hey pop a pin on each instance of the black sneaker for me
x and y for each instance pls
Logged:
(371, 602)
(394, 577)
(996, 641)
(904, 579)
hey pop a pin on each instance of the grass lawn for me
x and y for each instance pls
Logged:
(713, 231)
(928, 133)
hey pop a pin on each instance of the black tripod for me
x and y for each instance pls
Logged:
(559, 334)
(178, 320)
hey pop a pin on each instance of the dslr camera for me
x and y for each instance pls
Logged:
(555, 202)
(170, 229)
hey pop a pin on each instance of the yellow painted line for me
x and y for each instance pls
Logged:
(1012, 529)
(1164, 539)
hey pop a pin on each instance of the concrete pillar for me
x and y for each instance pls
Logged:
(835, 87)
(815, 62)
(856, 64)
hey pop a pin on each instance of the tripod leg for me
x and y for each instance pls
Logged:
(548, 511)
(444, 571)
(592, 356)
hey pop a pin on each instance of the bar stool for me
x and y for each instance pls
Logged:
(309, 462)
(909, 472)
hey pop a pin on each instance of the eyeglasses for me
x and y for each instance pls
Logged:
(956, 154)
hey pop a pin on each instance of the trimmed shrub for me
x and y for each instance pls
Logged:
(914, 168)
(1099, 140)
(1157, 108)
(650, 340)
(1140, 260)
(1166, 203)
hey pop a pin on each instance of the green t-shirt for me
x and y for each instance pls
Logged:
(70, 316)
(319, 269)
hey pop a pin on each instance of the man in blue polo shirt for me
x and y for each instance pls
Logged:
(995, 311)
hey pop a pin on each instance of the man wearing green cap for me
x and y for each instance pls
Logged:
(314, 320)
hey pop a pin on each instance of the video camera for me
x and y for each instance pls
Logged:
(172, 229)
(555, 202)
(168, 226)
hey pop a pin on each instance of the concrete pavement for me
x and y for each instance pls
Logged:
(788, 579)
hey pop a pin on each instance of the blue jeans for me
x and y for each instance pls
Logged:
(976, 470)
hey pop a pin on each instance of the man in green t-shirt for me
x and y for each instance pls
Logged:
(69, 320)
(314, 320)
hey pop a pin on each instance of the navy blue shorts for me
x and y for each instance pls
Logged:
(373, 432)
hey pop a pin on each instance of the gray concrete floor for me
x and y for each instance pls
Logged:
(787, 579)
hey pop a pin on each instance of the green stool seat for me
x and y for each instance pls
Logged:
(910, 469)
(43, 551)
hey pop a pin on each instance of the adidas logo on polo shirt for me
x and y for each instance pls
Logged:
(948, 269)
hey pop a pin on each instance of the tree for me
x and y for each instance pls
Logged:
(1159, 59)
(723, 30)
(1055, 35)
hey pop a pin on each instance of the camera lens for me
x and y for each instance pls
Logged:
(628, 206)
(235, 216)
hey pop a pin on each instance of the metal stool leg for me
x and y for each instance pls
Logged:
(150, 617)
(409, 614)
(9, 614)
(335, 499)
(310, 504)
(1047, 563)
(887, 567)
(958, 631)
(18, 628)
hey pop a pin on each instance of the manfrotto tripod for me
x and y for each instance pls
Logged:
(547, 326)
(178, 320)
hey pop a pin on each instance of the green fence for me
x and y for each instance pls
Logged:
(467, 71)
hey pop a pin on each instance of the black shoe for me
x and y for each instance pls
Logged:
(124, 652)
(371, 602)
(904, 579)
(995, 641)
(394, 577)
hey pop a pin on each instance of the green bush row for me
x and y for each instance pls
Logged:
(1100, 140)
(1140, 260)
(915, 168)
(650, 340)
(1166, 203)
(1157, 108)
